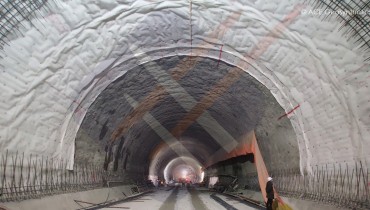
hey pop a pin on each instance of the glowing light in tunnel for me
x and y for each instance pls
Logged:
(212, 181)
(177, 168)
(158, 156)
(184, 173)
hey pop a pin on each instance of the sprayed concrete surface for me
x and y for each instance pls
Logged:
(246, 106)
(58, 67)
(66, 79)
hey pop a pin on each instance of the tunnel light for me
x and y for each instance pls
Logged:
(184, 174)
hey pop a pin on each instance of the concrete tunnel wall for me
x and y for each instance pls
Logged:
(246, 106)
(55, 74)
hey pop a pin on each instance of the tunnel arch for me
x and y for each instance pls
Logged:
(166, 154)
(237, 112)
(58, 123)
(183, 162)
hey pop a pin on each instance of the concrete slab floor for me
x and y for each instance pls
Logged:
(180, 198)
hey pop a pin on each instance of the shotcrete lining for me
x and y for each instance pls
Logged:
(52, 75)
(239, 110)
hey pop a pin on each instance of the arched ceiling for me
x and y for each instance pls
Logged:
(235, 112)
(56, 68)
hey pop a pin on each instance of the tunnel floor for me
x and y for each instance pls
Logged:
(181, 198)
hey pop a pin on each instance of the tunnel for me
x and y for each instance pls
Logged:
(191, 99)
(164, 133)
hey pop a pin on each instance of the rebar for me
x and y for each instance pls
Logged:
(13, 13)
(354, 16)
(34, 177)
(335, 184)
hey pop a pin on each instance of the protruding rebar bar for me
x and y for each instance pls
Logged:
(40, 176)
(15, 12)
(340, 184)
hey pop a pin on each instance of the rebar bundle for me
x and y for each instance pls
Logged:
(14, 12)
(337, 184)
(34, 177)
(353, 14)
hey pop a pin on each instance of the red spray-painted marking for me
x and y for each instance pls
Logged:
(353, 72)
(79, 107)
(219, 57)
(286, 114)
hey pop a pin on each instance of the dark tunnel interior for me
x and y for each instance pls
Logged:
(113, 135)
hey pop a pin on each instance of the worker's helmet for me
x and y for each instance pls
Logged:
(269, 179)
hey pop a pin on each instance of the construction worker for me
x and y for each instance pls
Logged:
(269, 193)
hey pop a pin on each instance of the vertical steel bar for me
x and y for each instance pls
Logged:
(363, 189)
(20, 183)
(335, 193)
(52, 173)
(5, 161)
(367, 188)
(34, 182)
(350, 190)
(357, 175)
(46, 174)
(13, 187)
(28, 188)
(341, 184)
(42, 175)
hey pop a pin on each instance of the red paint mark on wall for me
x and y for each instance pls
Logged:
(291, 111)
(353, 72)
(73, 101)
(219, 57)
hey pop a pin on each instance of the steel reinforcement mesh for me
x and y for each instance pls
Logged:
(14, 12)
(353, 14)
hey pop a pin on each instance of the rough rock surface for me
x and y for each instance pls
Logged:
(244, 106)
